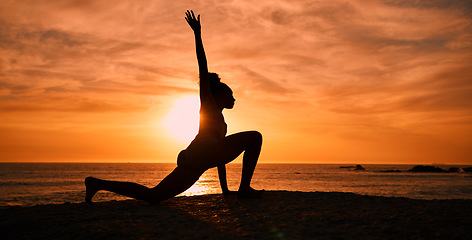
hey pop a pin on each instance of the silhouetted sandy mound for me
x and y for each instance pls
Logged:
(278, 215)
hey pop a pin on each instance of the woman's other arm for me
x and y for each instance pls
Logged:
(223, 183)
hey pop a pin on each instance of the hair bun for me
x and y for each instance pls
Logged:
(214, 78)
(215, 83)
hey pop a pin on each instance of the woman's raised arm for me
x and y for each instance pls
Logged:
(205, 93)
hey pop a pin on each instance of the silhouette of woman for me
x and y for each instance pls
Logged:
(210, 148)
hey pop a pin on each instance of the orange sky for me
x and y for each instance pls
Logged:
(324, 81)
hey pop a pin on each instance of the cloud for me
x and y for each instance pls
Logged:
(462, 5)
(331, 64)
(443, 90)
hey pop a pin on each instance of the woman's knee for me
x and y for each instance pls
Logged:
(256, 137)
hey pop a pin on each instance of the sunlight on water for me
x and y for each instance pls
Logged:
(198, 188)
(207, 184)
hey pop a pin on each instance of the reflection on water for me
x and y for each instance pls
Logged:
(199, 188)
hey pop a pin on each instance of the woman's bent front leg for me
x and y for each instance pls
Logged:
(232, 146)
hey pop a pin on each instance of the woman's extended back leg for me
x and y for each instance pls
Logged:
(175, 183)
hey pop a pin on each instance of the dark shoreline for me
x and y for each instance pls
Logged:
(278, 215)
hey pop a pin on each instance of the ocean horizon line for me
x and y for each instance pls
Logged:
(235, 163)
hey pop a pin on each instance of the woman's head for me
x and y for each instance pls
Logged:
(222, 94)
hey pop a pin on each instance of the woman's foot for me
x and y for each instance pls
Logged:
(250, 193)
(90, 189)
(228, 192)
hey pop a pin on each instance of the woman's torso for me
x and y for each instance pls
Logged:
(199, 154)
(212, 124)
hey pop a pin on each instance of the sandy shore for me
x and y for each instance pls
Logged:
(278, 215)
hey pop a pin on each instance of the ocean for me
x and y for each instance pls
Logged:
(28, 184)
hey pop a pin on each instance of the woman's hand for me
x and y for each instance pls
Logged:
(193, 21)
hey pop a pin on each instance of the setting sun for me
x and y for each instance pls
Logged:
(182, 120)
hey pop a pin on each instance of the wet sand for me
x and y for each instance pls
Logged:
(278, 215)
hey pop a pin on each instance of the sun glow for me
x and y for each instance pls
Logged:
(182, 120)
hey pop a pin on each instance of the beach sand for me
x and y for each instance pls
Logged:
(277, 215)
